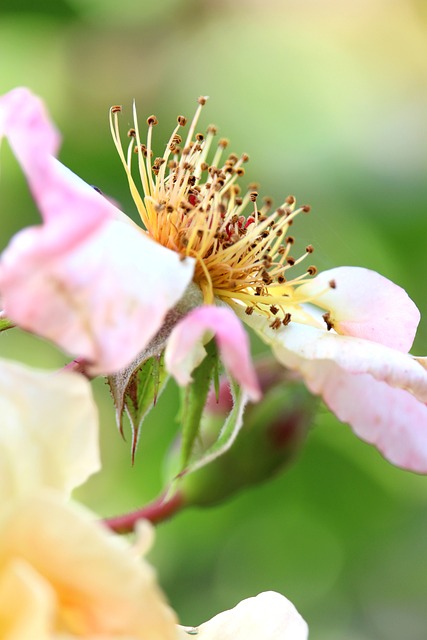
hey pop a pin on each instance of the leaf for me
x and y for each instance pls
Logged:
(193, 400)
(5, 324)
(135, 390)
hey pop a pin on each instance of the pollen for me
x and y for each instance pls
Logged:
(190, 201)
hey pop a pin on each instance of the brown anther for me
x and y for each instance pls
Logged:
(212, 129)
(286, 319)
(312, 270)
(274, 309)
(306, 208)
(245, 157)
(275, 324)
(253, 196)
(290, 240)
(281, 250)
(169, 208)
(309, 248)
(200, 137)
(204, 166)
(234, 219)
(176, 139)
(268, 201)
(200, 233)
(131, 133)
(116, 109)
(240, 171)
(261, 218)
(290, 261)
(239, 201)
(202, 100)
(253, 186)
(281, 279)
(280, 212)
(182, 120)
(223, 142)
(249, 311)
(258, 291)
(328, 321)
(232, 158)
(152, 121)
(279, 232)
(332, 284)
(290, 200)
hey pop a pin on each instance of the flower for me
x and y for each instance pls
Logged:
(63, 575)
(104, 289)
(61, 572)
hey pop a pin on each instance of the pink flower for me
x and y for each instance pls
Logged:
(105, 290)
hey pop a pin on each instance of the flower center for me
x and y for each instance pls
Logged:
(191, 203)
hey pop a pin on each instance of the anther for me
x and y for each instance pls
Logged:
(286, 320)
(312, 270)
(327, 318)
(290, 200)
(131, 133)
(281, 279)
(332, 284)
(253, 196)
(212, 129)
(291, 261)
(275, 324)
(309, 248)
(116, 109)
(152, 121)
(223, 142)
(249, 311)
(240, 171)
(290, 240)
(182, 121)
(306, 208)
(245, 157)
(274, 309)
(200, 137)
(202, 100)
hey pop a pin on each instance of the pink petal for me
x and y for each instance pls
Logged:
(185, 349)
(101, 299)
(366, 305)
(391, 419)
(379, 391)
(56, 190)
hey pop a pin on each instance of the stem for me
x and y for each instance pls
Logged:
(157, 511)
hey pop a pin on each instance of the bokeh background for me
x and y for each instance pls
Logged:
(329, 98)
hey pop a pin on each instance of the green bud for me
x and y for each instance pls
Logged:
(273, 431)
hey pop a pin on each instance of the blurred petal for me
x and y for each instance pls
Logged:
(49, 431)
(27, 603)
(366, 305)
(185, 350)
(102, 588)
(102, 299)
(268, 616)
(391, 419)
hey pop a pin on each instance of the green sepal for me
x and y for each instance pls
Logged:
(135, 391)
(193, 400)
(5, 324)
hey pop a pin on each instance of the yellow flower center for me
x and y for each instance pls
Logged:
(193, 205)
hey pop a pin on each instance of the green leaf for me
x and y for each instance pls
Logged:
(5, 324)
(193, 401)
(135, 390)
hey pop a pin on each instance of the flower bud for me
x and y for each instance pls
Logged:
(272, 433)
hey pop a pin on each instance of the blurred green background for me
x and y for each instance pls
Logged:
(329, 98)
